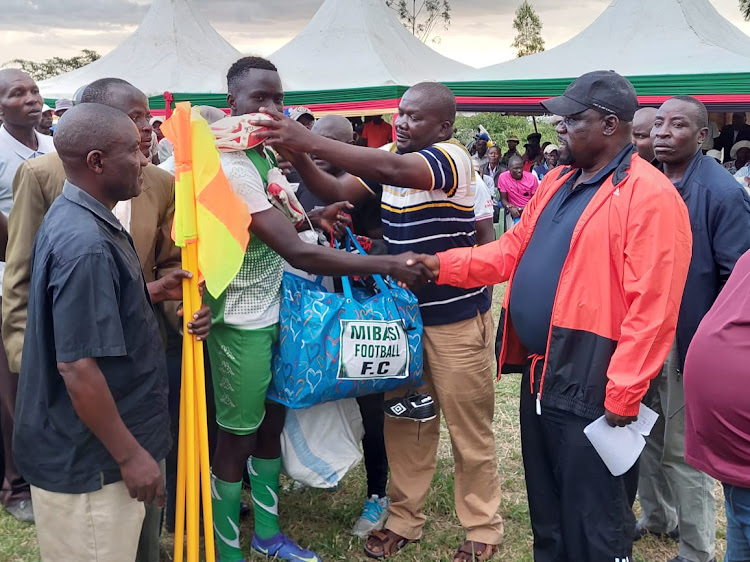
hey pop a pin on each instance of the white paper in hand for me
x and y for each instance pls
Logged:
(620, 447)
(645, 422)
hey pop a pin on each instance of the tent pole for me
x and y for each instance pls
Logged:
(533, 119)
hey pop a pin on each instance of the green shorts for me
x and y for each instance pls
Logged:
(241, 372)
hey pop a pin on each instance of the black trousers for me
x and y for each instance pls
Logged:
(373, 443)
(14, 487)
(579, 511)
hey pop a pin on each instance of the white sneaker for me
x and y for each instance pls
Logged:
(373, 517)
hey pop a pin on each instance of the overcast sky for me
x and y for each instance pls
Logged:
(480, 32)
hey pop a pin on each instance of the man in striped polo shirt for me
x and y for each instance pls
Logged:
(427, 184)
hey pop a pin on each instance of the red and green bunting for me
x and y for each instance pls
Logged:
(720, 93)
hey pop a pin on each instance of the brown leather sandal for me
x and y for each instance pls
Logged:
(472, 551)
(381, 544)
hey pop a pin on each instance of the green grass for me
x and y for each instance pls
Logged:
(321, 519)
(17, 540)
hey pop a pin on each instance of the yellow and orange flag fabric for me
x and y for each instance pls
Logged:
(207, 210)
(211, 226)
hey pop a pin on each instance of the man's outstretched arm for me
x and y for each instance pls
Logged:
(487, 264)
(327, 187)
(469, 268)
(401, 170)
(272, 227)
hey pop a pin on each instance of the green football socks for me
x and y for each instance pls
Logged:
(264, 482)
(226, 498)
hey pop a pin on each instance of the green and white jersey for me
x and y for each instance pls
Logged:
(252, 299)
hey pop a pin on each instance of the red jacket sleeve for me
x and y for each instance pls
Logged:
(488, 264)
(657, 256)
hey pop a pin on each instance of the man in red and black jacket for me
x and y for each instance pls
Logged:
(596, 270)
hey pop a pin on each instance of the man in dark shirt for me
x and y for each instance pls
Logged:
(92, 396)
(538, 273)
(596, 267)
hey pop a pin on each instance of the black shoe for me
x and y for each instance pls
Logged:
(683, 559)
(417, 407)
(641, 531)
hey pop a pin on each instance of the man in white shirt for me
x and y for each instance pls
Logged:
(21, 111)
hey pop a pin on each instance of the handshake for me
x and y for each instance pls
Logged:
(413, 271)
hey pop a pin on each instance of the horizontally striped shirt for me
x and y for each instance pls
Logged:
(433, 221)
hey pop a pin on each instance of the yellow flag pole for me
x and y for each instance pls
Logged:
(188, 381)
(179, 520)
(202, 422)
(194, 484)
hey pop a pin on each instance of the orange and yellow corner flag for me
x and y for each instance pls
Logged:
(207, 210)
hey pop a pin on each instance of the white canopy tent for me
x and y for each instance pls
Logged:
(359, 44)
(639, 38)
(665, 48)
(173, 49)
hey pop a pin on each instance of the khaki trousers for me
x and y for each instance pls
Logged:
(658, 511)
(101, 526)
(692, 490)
(458, 374)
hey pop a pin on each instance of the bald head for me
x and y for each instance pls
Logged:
(122, 95)
(100, 150)
(436, 98)
(334, 127)
(644, 117)
(643, 122)
(99, 91)
(426, 114)
(10, 75)
(88, 127)
(20, 101)
(515, 167)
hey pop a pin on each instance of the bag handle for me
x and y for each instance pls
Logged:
(352, 240)
(382, 285)
(345, 283)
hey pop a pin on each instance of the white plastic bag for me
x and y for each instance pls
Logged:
(320, 444)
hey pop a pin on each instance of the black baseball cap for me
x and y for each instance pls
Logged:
(603, 90)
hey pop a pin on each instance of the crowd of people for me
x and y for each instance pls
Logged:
(621, 244)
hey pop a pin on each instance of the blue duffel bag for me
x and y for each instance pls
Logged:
(334, 345)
